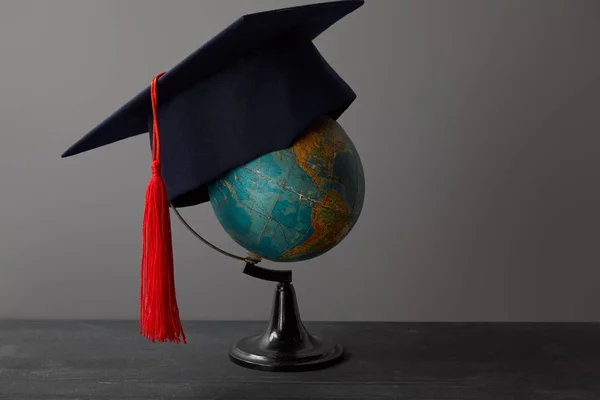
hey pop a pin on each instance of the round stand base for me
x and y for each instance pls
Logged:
(250, 353)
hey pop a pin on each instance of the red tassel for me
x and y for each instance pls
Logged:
(159, 313)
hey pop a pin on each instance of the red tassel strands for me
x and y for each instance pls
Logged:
(159, 313)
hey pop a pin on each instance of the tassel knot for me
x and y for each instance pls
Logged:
(156, 168)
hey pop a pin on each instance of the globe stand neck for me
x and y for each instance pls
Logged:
(285, 345)
(285, 332)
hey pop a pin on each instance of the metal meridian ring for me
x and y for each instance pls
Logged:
(249, 259)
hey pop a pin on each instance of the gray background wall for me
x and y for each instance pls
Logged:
(478, 123)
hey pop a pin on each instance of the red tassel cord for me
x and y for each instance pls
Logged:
(159, 313)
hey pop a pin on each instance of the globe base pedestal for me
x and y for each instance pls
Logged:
(285, 345)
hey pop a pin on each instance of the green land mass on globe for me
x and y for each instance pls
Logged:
(297, 203)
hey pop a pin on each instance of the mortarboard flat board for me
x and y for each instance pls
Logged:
(250, 90)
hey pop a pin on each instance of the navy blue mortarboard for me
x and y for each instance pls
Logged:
(252, 89)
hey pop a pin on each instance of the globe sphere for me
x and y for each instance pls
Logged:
(297, 203)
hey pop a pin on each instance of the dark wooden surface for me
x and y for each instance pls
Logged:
(109, 360)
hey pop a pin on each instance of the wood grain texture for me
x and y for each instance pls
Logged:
(478, 361)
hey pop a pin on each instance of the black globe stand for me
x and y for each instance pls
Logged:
(285, 345)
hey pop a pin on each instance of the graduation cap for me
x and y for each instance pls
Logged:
(250, 90)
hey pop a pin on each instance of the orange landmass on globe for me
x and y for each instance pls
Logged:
(318, 143)
(330, 221)
(331, 215)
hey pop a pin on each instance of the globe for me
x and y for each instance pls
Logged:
(297, 203)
